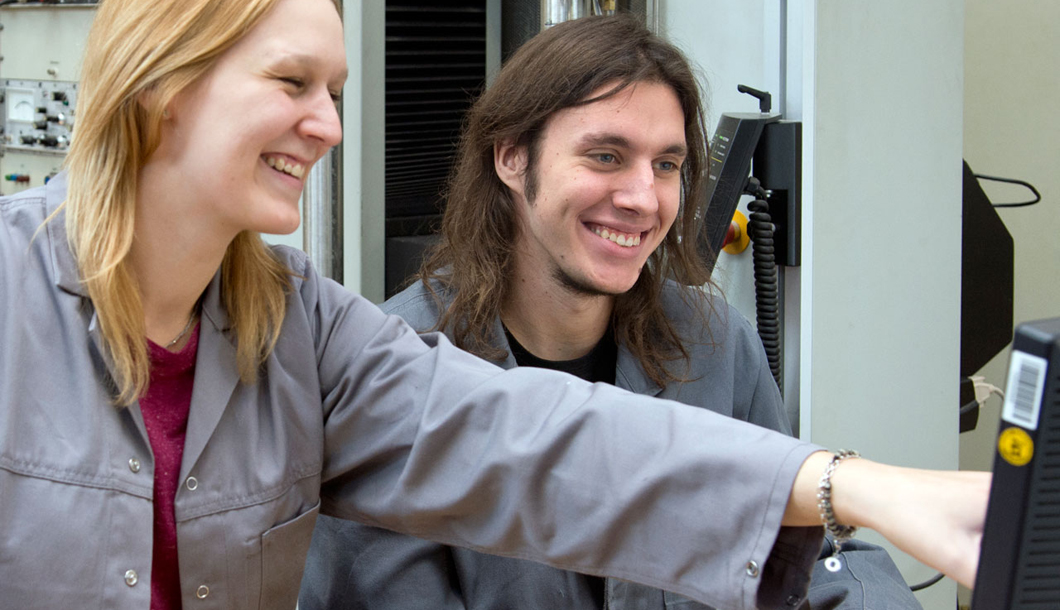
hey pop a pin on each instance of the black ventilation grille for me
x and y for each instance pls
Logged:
(435, 68)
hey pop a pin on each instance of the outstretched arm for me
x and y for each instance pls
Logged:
(935, 516)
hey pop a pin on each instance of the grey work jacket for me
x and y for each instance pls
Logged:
(356, 416)
(729, 375)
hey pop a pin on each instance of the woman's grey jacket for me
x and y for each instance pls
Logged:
(355, 567)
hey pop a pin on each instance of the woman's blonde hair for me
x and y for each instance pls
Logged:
(139, 55)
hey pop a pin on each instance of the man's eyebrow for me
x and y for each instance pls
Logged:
(676, 149)
(611, 139)
(603, 139)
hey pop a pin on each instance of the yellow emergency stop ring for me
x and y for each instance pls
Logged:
(742, 237)
(1016, 446)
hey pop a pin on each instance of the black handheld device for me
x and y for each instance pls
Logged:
(773, 146)
(731, 151)
(1019, 563)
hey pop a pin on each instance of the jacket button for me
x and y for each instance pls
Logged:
(202, 592)
(131, 578)
(192, 483)
(752, 569)
(134, 464)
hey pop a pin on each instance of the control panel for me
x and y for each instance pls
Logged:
(41, 43)
(38, 116)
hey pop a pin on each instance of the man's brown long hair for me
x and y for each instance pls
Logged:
(560, 68)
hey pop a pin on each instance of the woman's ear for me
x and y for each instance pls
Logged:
(148, 100)
(510, 161)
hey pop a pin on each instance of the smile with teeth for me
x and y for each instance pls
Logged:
(626, 240)
(296, 170)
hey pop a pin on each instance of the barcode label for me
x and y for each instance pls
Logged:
(1023, 397)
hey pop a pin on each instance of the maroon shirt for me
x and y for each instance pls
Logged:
(165, 410)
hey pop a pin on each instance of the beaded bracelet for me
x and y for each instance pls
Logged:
(840, 533)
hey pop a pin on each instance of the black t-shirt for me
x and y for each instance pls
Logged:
(597, 365)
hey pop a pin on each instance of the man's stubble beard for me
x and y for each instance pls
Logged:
(578, 287)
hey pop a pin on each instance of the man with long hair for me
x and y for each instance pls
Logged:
(569, 242)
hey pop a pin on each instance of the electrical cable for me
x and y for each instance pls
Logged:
(968, 406)
(767, 303)
(927, 583)
(1020, 204)
(982, 390)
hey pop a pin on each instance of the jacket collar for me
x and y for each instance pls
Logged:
(213, 310)
(630, 375)
(216, 376)
(501, 341)
(64, 267)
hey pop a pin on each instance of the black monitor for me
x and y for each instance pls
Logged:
(1019, 566)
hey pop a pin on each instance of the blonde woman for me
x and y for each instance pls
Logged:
(178, 401)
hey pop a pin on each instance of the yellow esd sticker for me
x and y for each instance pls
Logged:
(1016, 446)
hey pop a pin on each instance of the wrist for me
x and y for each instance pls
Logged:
(839, 531)
(859, 492)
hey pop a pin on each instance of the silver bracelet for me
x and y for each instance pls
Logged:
(840, 533)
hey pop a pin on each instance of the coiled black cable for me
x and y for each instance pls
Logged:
(767, 300)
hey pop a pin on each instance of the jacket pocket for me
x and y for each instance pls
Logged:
(283, 553)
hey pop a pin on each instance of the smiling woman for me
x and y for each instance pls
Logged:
(199, 121)
(183, 122)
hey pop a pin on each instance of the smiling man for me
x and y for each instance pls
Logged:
(569, 242)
